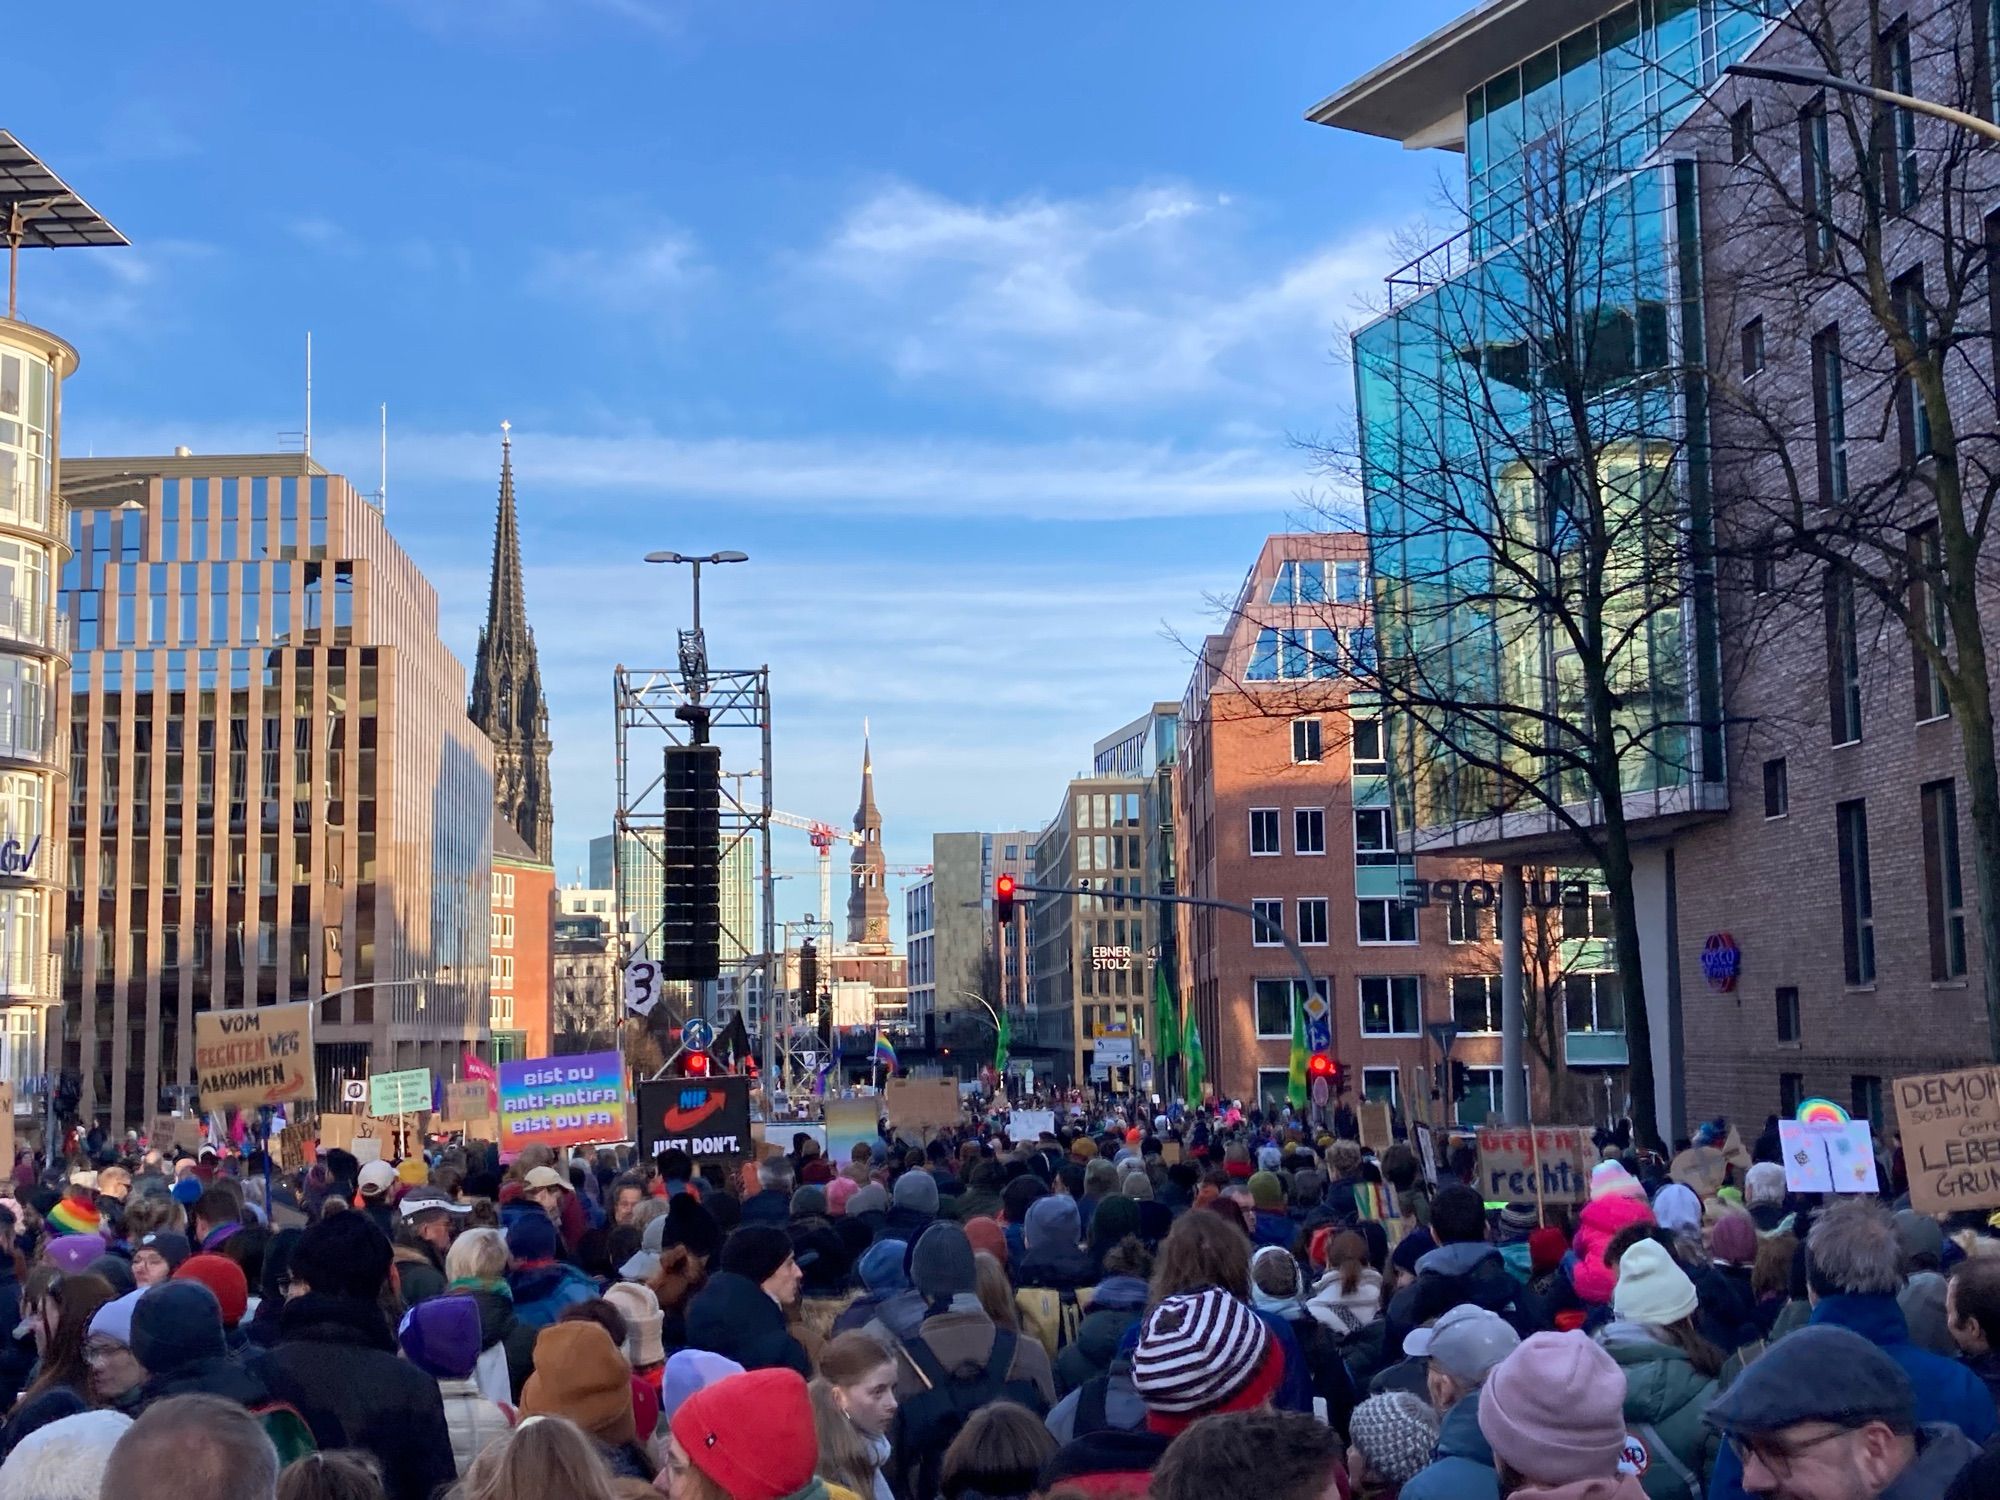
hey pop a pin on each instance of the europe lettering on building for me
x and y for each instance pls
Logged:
(1546, 895)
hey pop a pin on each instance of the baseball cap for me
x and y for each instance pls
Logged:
(377, 1177)
(546, 1177)
(1466, 1343)
(423, 1199)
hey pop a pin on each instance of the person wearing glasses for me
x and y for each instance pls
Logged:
(115, 1372)
(1826, 1415)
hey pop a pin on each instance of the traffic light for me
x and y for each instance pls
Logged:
(691, 856)
(694, 1064)
(1461, 1081)
(1003, 900)
(1319, 1065)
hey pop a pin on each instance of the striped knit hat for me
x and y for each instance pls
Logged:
(1204, 1352)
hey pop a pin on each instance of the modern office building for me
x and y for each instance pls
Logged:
(645, 891)
(963, 967)
(585, 1005)
(275, 791)
(1284, 806)
(1560, 112)
(524, 918)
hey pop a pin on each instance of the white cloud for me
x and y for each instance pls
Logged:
(649, 275)
(1133, 298)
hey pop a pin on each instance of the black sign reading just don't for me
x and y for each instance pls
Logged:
(709, 1118)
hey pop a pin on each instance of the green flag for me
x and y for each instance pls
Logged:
(1296, 1089)
(1166, 1026)
(1194, 1066)
(1003, 1043)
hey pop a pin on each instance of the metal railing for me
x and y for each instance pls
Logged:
(1431, 268)
(34, 624)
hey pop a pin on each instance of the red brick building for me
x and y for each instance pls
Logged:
(1283, 801)
(524, 920)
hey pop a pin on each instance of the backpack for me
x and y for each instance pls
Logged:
(1051, 1316)
(286, 1429)
(928, 1421)
(1090, 1407)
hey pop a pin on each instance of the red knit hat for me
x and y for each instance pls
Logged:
(1546, 1248)
(752, 1434)
(222, 1276)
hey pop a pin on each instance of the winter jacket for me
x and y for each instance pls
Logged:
(499, 1325)
(1461, 1466)
(1106, 1465)
(218, 1375)
(472, 1420)
(1946, 1390)
(1346, 1312)
(541, 1292)
(1063, 1268)
(17, 1356)
(1728, 1317)
(1275, 1229)
(1663, 1390)
(336, 1361)
(735, 1316)
(1451, 1276)
(1987, 1367)
(1943, 1454)
(965, 1339)
(1119, 1303)
(909, 1224)
(770, 1206)
(1124, 1411)
(1295, 1389)
(897, 1312)
(1596, 1227)
(418, 1274)
(1611, 1487)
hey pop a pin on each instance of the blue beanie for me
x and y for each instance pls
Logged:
(187, 1191)
(532, 1237)
(881, 1267)
(440, 1336)
(175, 1324)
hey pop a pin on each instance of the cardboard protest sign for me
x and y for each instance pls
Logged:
(1377, 1133)
(404, 1093)
(1513, 1158)
(1030, 1125)
(922, 1104)
(468, 1101)
(1807, 1166)
(708, 1118)
(259, 1055)
(1426, 1152)
(1951, 1138)
(561, 1102)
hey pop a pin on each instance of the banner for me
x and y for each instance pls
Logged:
(1509, 1156)
(561, 1102)
(709, 1118)
(922, 1104)
(1377, 1132)
(1827, 1158)
(1026, 1126)
(261, 1055)
(403, 1093)
(471, 1100)
(1951, 1138)
(849, 1122)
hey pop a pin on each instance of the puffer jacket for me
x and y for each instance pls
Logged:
(1596, 1227)
(472, 1420)
(1461, 1466)
(542, 1292)
(1664, 1391)
(1119, 1303)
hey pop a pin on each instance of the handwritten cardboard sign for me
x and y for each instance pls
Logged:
(471, 1100)
(1511, 1157)
(1377, 1132)
(922, 1103)
(258, 1055)
(1951, 1138)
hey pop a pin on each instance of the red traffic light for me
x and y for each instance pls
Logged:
(1003, 899)
(695, 1065)
(1320, 1065)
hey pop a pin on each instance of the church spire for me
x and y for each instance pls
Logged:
(868, 895)
(507, 702)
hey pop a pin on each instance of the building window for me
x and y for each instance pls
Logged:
(1266, 930)
(1264, 831)
(1475, 1004)
(1742, 134)
(1273, 1085)
(1753, 347)
(1763, 567)
(1913, 418)
(1588, 918)
(1857, 901)
(1777, 788)
(1461, 922)
(1843, 661)
(1928, 612)
(1383, 1084)
(1816, 181)
(1865, 1097)
(1383, 919)
(1365, 746)
(1901, 184)
(1309, 830)
(1374, 836)
(1593, 1002)
(1305, 742)
(1829, 387)
(1348, 580)
(1944, 882)
(1312, 921)
(1791, 1093)
(1788, 1013)
(1299, 583)
(1275, 999)
(1391, 1005)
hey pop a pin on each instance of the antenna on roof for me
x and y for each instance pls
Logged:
(309, 394)
(382, 490)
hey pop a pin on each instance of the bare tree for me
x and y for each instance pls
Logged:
(1849, 278)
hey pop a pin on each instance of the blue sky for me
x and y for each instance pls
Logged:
(984, 328)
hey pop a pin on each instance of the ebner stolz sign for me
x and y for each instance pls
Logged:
(708, 1118)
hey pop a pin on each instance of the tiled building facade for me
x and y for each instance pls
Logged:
(524, 918)
(275, 791)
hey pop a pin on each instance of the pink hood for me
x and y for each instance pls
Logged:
(1596, 1228)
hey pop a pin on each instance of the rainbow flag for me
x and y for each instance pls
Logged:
(885, 1053)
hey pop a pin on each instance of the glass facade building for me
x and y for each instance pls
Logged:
(275, 792)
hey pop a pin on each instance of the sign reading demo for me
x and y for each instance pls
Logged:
(1951, 1138)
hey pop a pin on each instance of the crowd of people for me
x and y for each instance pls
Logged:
(1199, 1308)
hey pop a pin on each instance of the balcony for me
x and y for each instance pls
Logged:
(1595, 1049)
(1432, 268)
(26, 623)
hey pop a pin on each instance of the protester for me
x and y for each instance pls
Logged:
(336, 1361)
(1826, 1415)
(644, 1349)
(1460, 1352)
(157, 1255)
(544, 1459)
(541, 1285)
(65, 1460)
(579, 1374)
(225, 1281)
(116, 1375)
(1463, 1268)
(1553, 1413)
(888, 1305)
(61, 1386)
(1253, 1455)
(424, 1225)
(1764, 1196)
(854, 1405)
(688, 1371)
(1670, 1369)
(1115, 1309)
(997, 1455)
(1389, 1443)
(740, 1311)
(1617, 1200)
(440, 1336)
(747, 1437)
(1277, 1290)
(192, 1446)
(178, 1339)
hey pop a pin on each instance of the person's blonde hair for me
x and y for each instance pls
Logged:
(477, 1255)
(152, 1211)
(996, 1292)
(544, 1456)
(845, 1458)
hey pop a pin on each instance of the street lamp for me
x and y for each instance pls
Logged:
(1814, 78)
(715, 558)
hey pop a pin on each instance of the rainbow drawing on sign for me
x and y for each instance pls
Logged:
(1820, 1112)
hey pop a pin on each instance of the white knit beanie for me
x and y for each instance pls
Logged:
(1651, 1288)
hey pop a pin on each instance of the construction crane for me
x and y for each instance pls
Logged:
(823, 836)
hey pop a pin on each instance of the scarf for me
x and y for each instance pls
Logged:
(73, 1216)
(481, 1284)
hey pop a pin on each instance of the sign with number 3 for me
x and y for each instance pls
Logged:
(642, 986)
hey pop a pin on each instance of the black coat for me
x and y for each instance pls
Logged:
(217, 1375)
(768, 1206)
(734, 1316)
(1474, 1274)
(1728, 1316)
(17, 1356)
(336, 1361)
